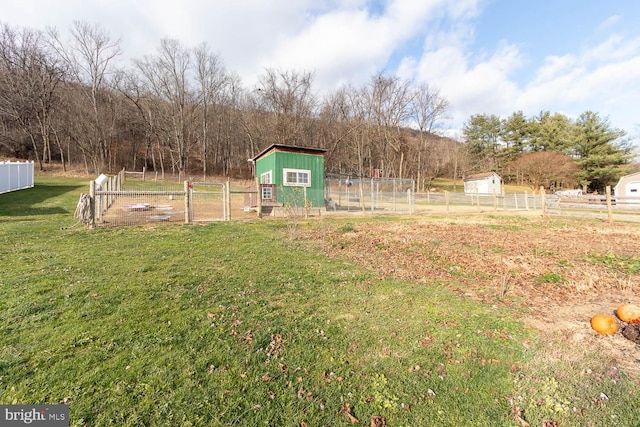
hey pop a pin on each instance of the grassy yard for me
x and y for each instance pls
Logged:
(235, 324)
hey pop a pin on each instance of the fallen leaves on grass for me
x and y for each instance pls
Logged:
(517, 415)
(347, 410)
(497, 261)
(481, 255)
(276, 346)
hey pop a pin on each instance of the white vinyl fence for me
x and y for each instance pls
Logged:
(15, 176)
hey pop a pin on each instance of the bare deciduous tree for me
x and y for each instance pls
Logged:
(166, 76)
(212, 79)
(90, 54)
(428, 109)
(389, 99)
(338, 130)
(290, 102)
(544, 168)
(29, 79)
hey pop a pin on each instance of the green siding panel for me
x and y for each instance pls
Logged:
(278, 161)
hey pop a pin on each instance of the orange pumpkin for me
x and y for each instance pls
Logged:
(604, 324)
(629, 313)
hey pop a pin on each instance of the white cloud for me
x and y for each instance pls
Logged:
(554, 66)
(471, 88)
(350, 44)
(603, 76)
(339, 40)
(614, 48)
(609, 23)
(335, 43)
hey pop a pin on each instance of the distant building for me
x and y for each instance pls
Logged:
(483, 183)
(628, 189)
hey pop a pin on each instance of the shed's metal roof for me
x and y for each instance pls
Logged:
(288, 149)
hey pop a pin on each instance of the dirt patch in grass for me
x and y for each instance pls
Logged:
(555, 273)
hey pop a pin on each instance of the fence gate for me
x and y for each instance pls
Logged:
(207, 201)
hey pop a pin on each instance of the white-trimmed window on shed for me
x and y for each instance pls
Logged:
(297, 177)
(265, 178)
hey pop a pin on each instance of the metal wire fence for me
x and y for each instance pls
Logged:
(135, 200)
(600, 206)
(375, 195)
(507, 201)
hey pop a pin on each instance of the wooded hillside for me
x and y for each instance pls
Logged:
(180, 110)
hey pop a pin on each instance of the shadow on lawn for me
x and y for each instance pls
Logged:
(42, 199)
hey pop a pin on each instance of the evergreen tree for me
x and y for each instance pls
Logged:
(516, 134)
(551, 132)
(483, 137)
(599, 152)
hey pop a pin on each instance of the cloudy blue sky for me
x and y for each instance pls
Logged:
(485, 56)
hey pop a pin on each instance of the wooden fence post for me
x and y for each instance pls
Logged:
(362, 205)
(259, 197)
(228, 195)
(543, 201)
(224, 202)
(187, 215)
(609, 207)
(92, 196)
(111, 184)
(374, 195)
(446, 199)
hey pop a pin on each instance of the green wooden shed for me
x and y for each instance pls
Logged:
(290, 175)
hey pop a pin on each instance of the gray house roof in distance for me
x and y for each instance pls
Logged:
(288, 149)
(480, 176)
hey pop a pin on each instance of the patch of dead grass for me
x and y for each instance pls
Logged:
(505, 260)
